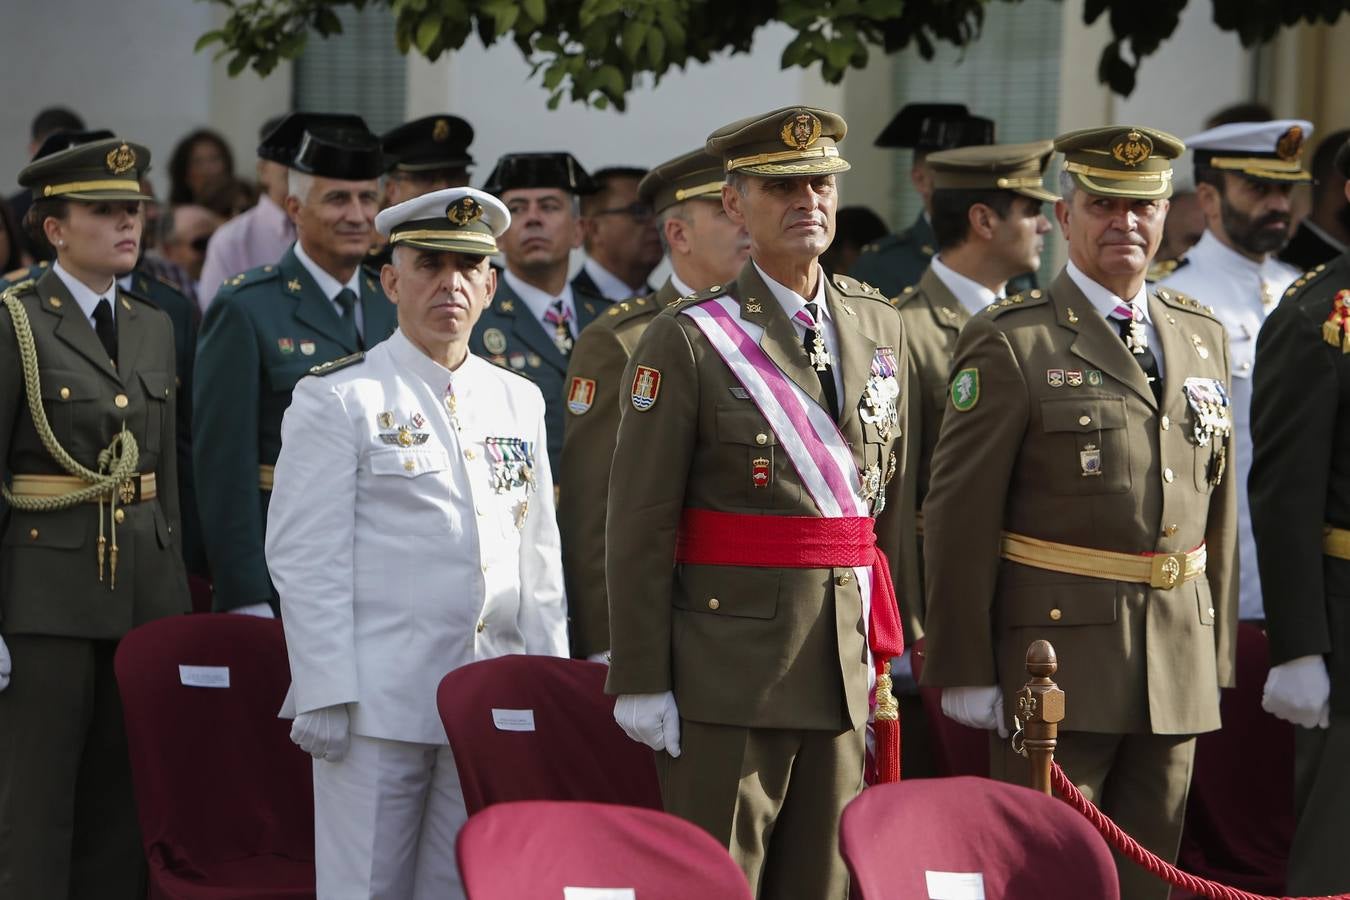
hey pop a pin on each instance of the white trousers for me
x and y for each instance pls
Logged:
(385, 822)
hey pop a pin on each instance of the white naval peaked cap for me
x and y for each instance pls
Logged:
(1271, 151)
(458, 220)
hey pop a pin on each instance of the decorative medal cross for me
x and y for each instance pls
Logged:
(820, 355)
(1137, 339)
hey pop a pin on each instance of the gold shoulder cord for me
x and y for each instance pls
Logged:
(117, 463)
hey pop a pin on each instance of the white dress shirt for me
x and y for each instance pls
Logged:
(1105, 302)
(86, 297)
(793, 302)
(681, 288)
(331, 287)
(538, 301)
(611, 286)
(399, 560)
(971, 294)
(1242, 292)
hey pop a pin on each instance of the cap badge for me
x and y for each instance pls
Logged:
(440, 131)
(1132, 149)
(800, 130)
(1290, 144)
(464, 211)
(122, 159)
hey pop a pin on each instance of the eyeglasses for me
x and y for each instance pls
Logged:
(640, 212)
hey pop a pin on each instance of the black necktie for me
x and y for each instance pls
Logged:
(104, 328)
(813, 341)
(346, 299)
(1141, 352)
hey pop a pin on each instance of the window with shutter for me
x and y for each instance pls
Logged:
(359, 71)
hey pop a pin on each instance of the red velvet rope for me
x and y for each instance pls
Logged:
(1159, 867)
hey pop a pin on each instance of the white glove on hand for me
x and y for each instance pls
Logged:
(650, 719)
(975, 707)
(323, 733)
(261, 610)
(1299, 691)
(6, 664)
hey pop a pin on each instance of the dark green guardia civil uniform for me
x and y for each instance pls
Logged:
(86, 556)
(898, 260)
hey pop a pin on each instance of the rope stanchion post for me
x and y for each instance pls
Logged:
(1040, 709)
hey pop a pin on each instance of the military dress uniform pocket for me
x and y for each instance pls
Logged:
(738, 592)
(408, 462)
(62, 392)
(1089, 448)
(745, 427)
(1058, 605)
(158, 388)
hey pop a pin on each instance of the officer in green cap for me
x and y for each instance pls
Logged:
(1082, 492)
(267, 328)
(91, 533)
(705, 248)
(761, 416)
(1298, 491)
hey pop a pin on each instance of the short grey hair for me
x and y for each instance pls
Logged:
(299, 184)
(674, 211)
(1068, 186)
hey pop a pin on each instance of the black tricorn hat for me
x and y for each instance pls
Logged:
(539, 170)
(926, 127)
(326, 144)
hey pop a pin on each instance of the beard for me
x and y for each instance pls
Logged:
(1253, 235)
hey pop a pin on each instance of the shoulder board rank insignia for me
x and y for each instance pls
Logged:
(341, 362)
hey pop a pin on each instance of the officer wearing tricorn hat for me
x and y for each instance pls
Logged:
(91, 535)
(411, 532)
(1087, 441)
(268, 327)
(760, 415)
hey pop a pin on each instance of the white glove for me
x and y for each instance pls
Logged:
(1299, 691)
(261, 610)
(6, 664)
(323, 733)
(975, 707)
(650, 719)
(601, 657)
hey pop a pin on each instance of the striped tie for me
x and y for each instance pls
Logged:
(1130, 322)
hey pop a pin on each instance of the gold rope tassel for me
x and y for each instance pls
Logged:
(102, 541)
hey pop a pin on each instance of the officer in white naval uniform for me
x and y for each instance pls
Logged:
(412, 531)
(1244, 174)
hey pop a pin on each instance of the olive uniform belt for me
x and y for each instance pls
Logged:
(265, 477)
(1336, 542)
(133, 490)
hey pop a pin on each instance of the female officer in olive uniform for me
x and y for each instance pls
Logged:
(90, 536)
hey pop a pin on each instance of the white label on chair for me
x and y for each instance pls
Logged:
(204, 676)
(513, 719)
(574, 893)
(955, 885)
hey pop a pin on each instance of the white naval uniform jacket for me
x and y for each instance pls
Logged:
(397, 560)
(1243, 293)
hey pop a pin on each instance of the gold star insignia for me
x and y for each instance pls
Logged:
(293, 284)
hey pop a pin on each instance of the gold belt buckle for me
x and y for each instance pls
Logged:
(1167, 570)
(127, 491)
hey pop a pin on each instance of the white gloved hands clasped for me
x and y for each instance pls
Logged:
(6, 665)
(1299, 691)
(650, 719)
(323, 733)
(975, 707)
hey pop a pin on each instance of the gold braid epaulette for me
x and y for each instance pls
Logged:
(116, 463)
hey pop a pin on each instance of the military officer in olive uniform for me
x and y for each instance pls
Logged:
(90, 547)
(267, 328)
(537, 314)
(1297, 490)
(706, 248)
(1087, 441)
(760, 414)
(895, 262)
(989, 227)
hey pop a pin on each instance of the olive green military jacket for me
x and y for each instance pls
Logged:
(595, 394)
(1062, 440)
(264, 331)
(742, 645)
(49, 580)
(1300, 478)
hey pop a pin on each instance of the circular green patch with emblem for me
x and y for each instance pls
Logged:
(966, 389)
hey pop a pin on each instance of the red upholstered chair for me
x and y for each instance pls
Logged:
(226, 801)
(960, 750)
(536, 850)
(896, 838)
(541, 728)
(1240, 814)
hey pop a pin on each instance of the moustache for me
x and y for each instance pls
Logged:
(1275, 218)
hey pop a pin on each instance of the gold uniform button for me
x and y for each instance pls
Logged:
(482, 626)
(843, 578)
(33, 535)
(761, 439)
(469, 454)
(1170, 530)
(1166, 423)
(714, 603)
(1169, 476)
(119, 517)
(1056, 615)
(1211, 612)
(120, 401)
(409, 465)
(1085, 420)
(65, 393)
